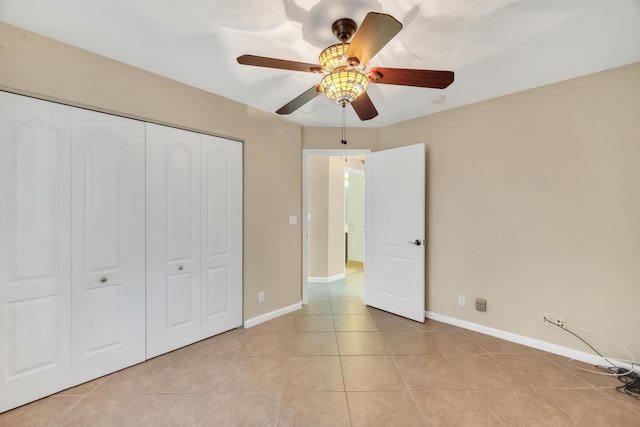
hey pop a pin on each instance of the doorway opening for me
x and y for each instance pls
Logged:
(340, 169)
(354, 219)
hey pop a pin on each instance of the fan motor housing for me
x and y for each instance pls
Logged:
(344, 29)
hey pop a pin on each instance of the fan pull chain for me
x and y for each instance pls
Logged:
(344, 125)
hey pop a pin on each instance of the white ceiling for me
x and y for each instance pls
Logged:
(495, 47)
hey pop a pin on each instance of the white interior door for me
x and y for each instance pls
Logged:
(35, 249)
(108, 243)
(394, 230)
(173, 238)
(221, 235)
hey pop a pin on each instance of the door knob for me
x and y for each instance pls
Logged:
(181, 268)
(103, 279)
(417, 242)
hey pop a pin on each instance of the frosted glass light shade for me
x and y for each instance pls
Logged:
(333, 56)
(343, 86)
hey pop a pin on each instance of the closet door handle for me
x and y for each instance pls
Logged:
(181, 268)
(103, 279)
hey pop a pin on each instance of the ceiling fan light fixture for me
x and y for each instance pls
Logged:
(343, 85)
(333, 56)
(346, 66)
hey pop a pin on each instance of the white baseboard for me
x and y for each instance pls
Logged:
(249, 323)
(326, 279)
(570, 353)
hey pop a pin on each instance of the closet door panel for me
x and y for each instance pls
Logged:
(173, 239)
(181, 168)
(221, 234)
(108, 243)
(35, 290)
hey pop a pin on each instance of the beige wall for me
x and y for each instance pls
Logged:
(326, 205)
(318, 201)
(534, 204)
(329, 139)
(35, 65)
(336, 216)
(353, 162)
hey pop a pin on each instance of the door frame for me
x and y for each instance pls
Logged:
(306, 153)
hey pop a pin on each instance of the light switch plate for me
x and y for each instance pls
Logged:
(293, 220)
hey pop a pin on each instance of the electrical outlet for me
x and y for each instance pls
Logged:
(461, 300)
(261, 296)
(481, 304)
(556, 319)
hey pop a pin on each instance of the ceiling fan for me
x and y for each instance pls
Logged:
(345, 66)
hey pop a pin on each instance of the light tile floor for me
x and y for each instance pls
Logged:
(336, 362)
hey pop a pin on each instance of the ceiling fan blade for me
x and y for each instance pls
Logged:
(300, 100)
(374, 33)
(364, 107)
(409, 77)
(282, 64)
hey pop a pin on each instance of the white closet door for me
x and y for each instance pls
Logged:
(221, 235)
(108, 243)
(35, 288)
(173, 239)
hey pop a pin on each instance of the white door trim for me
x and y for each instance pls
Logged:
(306, 153)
